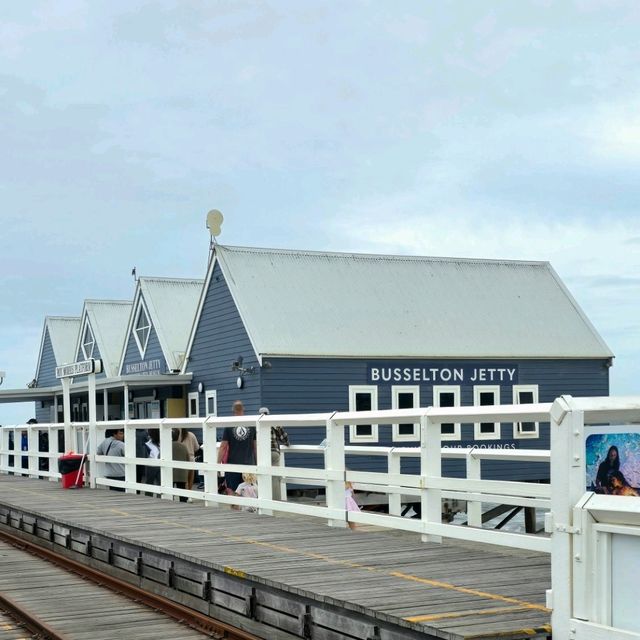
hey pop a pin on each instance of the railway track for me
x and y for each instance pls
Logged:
(48, 596)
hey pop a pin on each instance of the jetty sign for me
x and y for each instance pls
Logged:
(81, 368)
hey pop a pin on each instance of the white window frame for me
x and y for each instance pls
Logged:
(353, 431)
(194, 395)
(142, 307)
(477, 390)
(213, 394)
(396, 390)
(448, 388)
(518, 434)
(87, 327)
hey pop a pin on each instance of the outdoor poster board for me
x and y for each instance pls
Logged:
(613, 459)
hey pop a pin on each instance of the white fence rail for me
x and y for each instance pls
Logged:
(582, 526)
(428, 487)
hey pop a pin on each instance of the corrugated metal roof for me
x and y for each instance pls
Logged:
(63, 333)
(172, 305)
(108, 320)
(326, 304)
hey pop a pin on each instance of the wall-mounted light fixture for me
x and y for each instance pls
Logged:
(200, 387)
(236, 365)
(154, 394)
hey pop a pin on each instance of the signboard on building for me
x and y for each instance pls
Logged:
(421, 372)
(144, 368)
(79, 368)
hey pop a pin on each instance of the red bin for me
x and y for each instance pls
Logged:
(71, 468)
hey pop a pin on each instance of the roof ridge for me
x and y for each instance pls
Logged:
(169, 279)
(383, 257)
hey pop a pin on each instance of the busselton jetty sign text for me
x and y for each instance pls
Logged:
(421, 372)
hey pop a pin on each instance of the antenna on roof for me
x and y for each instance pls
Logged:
(133, 273)
(214, 224)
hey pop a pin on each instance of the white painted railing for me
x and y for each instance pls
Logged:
(582, 526)
(428, 487)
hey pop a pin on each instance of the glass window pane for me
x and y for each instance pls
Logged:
(487, 427)
(364, 430)
(363, 402)
(447, 429)
(525, 397)
(447, 399)
(405, 401)
(405, 430)
(487, 398)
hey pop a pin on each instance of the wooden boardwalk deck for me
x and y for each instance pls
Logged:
(452, 590)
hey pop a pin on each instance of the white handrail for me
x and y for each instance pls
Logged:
(329, 471)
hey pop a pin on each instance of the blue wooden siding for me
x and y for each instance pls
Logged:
(42, 413)
(312, 385)
(219, 339)
(152, 353)
(47, 369)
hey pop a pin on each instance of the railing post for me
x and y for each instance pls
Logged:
(474, 507)
(281, 479)
(66, 405)
(335, 470)
(32, 448)
(567, 485)
(130, 452)
(209, 455)
(430, 465)
(4, 446)
(395, 498)
(166, 457)
(91, 455)
(263, 462)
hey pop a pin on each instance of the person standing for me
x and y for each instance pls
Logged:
(113, 445)
(191, 444)
(179, 454)
(279, 437)
(238, 446)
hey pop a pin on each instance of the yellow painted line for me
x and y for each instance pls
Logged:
(472, 592)
(328, 559)
(235, 572)
(463, 614)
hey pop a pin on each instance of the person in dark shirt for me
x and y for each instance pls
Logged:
(238, 446)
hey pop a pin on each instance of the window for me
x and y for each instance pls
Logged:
(405, 397)
(447, 396)
(194, 405)
(363, 398)
(486, 396)
(525, 394)
(88, 341)
(142, 328)
(211, 403)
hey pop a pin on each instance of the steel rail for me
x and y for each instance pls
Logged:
(27, 619)
(190, 617)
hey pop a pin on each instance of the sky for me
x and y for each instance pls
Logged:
(491, 129)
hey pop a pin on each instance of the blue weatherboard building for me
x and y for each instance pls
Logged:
(303, 331)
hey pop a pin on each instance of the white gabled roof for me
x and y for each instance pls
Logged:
(108, 319)
(172, 305)
(63, 333)
(307, 303)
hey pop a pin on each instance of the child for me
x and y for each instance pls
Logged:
(248, 489)
(350, 503)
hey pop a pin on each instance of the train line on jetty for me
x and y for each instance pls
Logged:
(48, 596)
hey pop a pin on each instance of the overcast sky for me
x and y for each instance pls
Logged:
(474, 129)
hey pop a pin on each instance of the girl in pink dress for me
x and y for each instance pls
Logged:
(350, 503)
